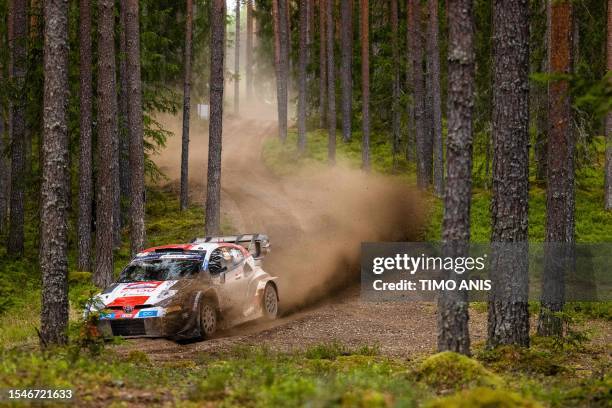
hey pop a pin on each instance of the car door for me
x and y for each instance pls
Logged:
(232, 282)
(238, 282)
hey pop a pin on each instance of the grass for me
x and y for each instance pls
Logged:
(326, 375)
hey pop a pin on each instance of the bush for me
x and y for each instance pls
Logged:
(448, 370)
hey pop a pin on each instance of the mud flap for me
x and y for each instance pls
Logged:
(191, 328)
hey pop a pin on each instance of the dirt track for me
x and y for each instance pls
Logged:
(315, 223)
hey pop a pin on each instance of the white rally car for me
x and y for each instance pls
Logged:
(189, 290)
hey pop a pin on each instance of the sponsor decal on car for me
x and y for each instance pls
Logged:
(147, 313)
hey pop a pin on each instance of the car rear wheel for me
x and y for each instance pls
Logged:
(208, 319)
(270, 302)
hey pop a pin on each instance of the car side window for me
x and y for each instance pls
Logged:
(237, 256)
(216, 262)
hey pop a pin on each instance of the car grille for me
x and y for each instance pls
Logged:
(128, 327)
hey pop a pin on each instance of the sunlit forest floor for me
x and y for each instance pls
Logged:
(573, 371)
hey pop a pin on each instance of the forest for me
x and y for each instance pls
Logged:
(325, 124)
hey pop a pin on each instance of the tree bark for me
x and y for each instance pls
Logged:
(215, 128)
(331, 84)
(303, 55)
(135, 126)
(249, 50)
(186, 108)
(17, 123)
(124, 139)
(85, 148)
(423, 146)
(107, 99)
(560, 194)
(237, 61)
(322, 65)
(365, 85)
(410, 69)
(453, 333)
(608, 186)
(346, 72)
(282, 67)
(433, 58)
(54, 187)
(4, 169)
(395, 84)
(508, 321)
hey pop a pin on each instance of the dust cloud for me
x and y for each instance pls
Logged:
(316, 220)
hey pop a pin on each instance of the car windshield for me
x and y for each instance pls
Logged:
(160, 270)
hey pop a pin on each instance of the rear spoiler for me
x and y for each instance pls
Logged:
(257, 244)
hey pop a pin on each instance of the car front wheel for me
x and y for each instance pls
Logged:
(208, 319)
(270, 302)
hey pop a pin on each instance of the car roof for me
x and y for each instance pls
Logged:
(207, 246)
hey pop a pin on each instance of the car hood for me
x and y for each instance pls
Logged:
(138, 293)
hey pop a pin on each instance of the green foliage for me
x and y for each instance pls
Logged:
(448, 370)
(590, 310)
(521, 359)
(484, 398)
(331, 351)
(265, 379)
(285, 159)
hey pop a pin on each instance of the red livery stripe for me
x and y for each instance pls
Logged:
(129, 301)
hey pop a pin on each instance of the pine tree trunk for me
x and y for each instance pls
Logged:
(124, 139)
(249, 50)
(322, 65)
(135, 126)
(560, 202)
(331, 84)
(4, 167)
(186, 108)
(215, 128)
(107, 99)
(508, 321)
(54, 187)
(85, 145)
(346, 72)
(303, 55)
(423, 147)
(410, 69)
(283, 31)
(237, 60)
(433, 58)
(116, 177)
(17, 118)
(395, 84)
(453, 333)
(539, 93)
(279, 12)
(365, 84)
(608, 188)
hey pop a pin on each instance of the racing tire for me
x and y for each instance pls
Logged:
(208, 319)
(270, 302)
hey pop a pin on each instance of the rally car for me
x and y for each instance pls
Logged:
(189, 290)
